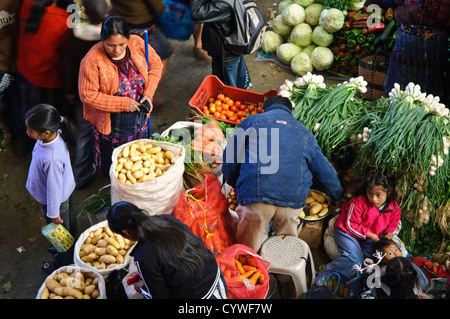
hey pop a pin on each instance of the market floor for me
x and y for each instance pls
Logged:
(23, 248)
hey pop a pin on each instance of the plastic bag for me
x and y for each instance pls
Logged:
(175, 22)
(241, 286)
(204, 209)
(58, 236)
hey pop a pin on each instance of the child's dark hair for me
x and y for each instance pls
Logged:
(114, 25)
(44, 117)
(37, 11)
(402, 278)
(277, 99)
(381, 244)
(95, 10)
(176, 244)
(377, 177)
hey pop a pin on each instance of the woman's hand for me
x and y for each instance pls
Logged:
(147, 98)
(133, 105)
(57, 220)
(372, 237)
(388, 235)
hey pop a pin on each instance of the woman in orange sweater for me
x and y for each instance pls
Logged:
(114, 81)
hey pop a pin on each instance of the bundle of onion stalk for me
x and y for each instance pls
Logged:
(332, 117)
(412, 140)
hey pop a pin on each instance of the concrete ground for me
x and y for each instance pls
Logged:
(23, 248)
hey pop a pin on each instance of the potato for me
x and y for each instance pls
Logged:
(108, 230)
(108, 259)
(85, 296)
(76, 283)
(315, 209)
(66, 291)
(100, 251)
(111, 266)
(323, 211)
(89, 248)
(110, 249)
(95, 293)
(102, 243)
(114, 242)
(120, 259)
(52, 284)
(88, 281)
(98, 231)
(45, 293)
(318, 197)
(62, 275)
(309, 199)
(88, 290)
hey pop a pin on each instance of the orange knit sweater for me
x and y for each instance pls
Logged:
(99, 79)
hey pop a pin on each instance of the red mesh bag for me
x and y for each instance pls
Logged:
(205, 210)
(245, 272)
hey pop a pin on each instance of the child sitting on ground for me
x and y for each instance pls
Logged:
(403, 279)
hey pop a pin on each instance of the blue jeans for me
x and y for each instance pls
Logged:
(231, 70)
(347, 246)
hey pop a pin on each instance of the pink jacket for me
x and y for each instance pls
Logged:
(99, 80)
(358, 217)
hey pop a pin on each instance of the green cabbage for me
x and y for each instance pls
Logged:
(322, 58)
(280, 27)
(286, 51)
(304, 3)
(332, 20)
(271, 41)
(293, 15)
(356, 4)
(321, 37)
(309, 49)
(301, 35)
(283, 4)
(312, 14)
(301, 64)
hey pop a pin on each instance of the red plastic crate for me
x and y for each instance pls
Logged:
(212, 86)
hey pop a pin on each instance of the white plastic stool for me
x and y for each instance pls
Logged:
(288, 255)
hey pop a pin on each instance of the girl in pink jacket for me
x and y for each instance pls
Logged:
(364, 219)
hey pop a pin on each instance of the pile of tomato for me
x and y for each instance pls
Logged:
(224, 108)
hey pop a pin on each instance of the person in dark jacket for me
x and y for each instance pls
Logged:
(271, 160)
(217, 16)
(171, 261)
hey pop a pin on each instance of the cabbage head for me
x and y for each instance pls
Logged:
(286, 51)
(293, 15)
(280, 27)
(332, 20)
(309, 49)
(271, 41)
(312, 14)
(322, 58)
(301, 64)
(304, 3)
(321, 37)
(301, 35)
(284, 4)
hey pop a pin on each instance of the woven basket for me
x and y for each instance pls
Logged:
(371, 68)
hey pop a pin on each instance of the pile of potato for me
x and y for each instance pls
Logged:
(232, 199)
(75, 285)
(317, 206)
(142, 162)
(104, 249)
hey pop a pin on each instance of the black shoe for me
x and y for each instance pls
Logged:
(52, 250)
(48, 267)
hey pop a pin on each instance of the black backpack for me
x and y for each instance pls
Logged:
(247, 29)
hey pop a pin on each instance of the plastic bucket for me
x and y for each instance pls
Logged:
(58, 236)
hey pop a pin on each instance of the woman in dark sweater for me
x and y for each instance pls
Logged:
(171, 261)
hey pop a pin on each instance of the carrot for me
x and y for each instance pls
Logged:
(239, 267)
(261, 279)
(227, 273)
(247, 267)
(255, 277)
(251, 261)
(247, 274)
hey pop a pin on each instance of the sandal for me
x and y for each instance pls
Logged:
(52, 250)
(201, 54)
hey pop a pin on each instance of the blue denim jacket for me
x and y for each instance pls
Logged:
(272, 158)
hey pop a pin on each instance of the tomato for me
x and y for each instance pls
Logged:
(232, 119)
(212, 109)
(225, 106)
(233, 108)
(238, 121)
(219, 108)
(230, 102)
(211, 100)
(259, 109)
(206, 112)
(216, 115)
(220, 97)
(218, 102)
(223, 117)
(242, 107)
(253, 112)
(251, 107)
(230, 114)
(239, 114)
(237, 103)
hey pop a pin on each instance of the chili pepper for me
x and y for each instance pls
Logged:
(351, 43)
(347, 25)
(351, 14)
(360, 25)
(371, 37)
(361, 38)
(389, 15)
(360, 16)
(365, 31)
(376, 27)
